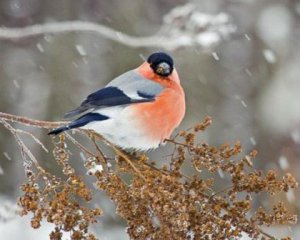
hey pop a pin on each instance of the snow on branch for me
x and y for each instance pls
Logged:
(183, 26)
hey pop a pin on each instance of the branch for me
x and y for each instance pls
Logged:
(24, 149)
(33, 137)
(154, 186)
(46, 124)
(80, 26)
(29, 121)
(183, 26)
(122, 154)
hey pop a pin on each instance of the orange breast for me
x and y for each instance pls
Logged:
(159, 118)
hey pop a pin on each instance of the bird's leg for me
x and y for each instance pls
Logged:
(127, 158)
(121, 153)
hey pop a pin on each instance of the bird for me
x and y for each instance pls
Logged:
(137, 110)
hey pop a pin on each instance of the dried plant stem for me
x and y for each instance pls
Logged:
(170, 181)
(210, 198)
(80, 146)
(121, 153)
(101, 156)
(34, 138)
(29, 121)
(24, 149)
(128, 160)
(176, 143)
(47, 124)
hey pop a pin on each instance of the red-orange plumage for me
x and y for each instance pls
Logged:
(161, 117)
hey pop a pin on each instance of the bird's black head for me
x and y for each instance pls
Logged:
(161, 63)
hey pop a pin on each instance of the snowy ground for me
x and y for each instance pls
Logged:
(19, 228)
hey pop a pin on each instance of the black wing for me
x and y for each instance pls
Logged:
(107, 97)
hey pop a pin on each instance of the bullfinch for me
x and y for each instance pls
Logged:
(138, 109)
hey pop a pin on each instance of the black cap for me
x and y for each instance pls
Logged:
(161, 63)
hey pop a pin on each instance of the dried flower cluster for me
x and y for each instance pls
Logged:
(58, 200)
(159, 203)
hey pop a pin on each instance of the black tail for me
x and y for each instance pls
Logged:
(59, 130)
(85, 119)
(75, 112)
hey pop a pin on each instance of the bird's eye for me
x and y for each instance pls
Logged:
(163, 69)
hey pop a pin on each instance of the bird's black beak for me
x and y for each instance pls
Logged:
(163, 69)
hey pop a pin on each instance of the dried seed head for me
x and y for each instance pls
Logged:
(161, 203)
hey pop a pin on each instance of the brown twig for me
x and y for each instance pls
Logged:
(80, 146)
(176, 143)
(30, 122)
(24, 149)
(138, 167)
(122, 154)
(34, 138)
(101, 156)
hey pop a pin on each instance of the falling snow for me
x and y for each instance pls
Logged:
(82, 156)
(216, 56)
(41, 67)
(269, 56)
(290, 195)
(48, 38)
(296, 135)
(40, 47)
(16, 83)
(6, 155)
(248, 72)
(221, 173)
(253, 141)
(81, 50)
(243, 103)
(142, 56)
(283, 163)
(247, 37)
(75, 64)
